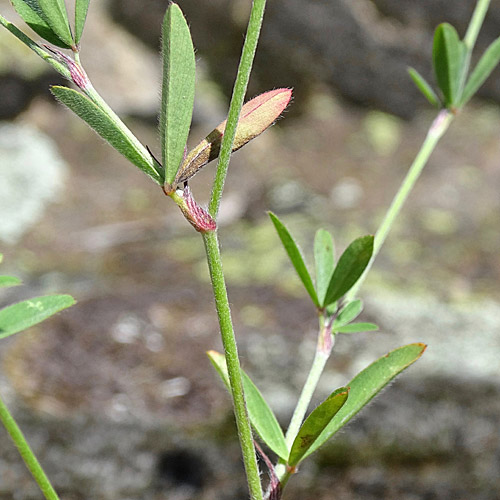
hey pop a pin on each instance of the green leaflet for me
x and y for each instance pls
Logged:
(342, 323)
(356, 328)
(105, 127)
(315, 423)
(261, 416)
(367, 384)
(296, 257)
(54, 13)
(488, 62)
(30, 13)
(22, 315)
(6, 281)
(81, 9)
(349, 268)
(324, 259)
(448, 56)
(177, 89)
(348, 313)
(424, 87)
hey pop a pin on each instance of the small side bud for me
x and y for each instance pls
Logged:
(197, 216)
(256, 115)
(78, 75)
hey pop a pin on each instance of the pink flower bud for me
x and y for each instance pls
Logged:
(256, 115)
(199, 218)
(76, 71)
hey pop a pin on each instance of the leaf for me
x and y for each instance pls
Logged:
(22, 315)
(54, 13)
(256, 115)
(177, 89)
(29, 12)
(6, 281)
(218, 360)
(356, 328)
(35, 47)
(261, 416)
(349, 268)
(448, 58)
(81, 9)
(367, 384)
(295, 256)
(348, 313)
(315, 424)
(263, 419)
(105, 127)
(324, 262)
(488, 62)
(424, 87)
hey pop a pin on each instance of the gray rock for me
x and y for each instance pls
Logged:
(359, 48)
(32, 173)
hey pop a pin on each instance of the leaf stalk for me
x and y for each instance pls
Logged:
(436, 131)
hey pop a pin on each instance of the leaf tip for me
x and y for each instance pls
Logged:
(422, 346)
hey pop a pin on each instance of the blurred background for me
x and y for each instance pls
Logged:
(116, 395)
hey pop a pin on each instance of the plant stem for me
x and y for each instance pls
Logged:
(239, 91)
(436, 131)
(320, 358)
(470, 38)
(60, 68)
(233, 364)
(26, 453)
(214, 258)
(475, 23)
(317, 367)
(323, 350)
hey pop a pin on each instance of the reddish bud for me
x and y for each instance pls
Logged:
(198, 217)
(256, 115)
(76, 71)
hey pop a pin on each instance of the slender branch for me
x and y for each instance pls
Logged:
(60, 68)
(317, 367)
(320, 358)
(214, 258)
(475, 23)
(239, 91)
(470, 38)
(233, 364)
(323, 350)
(26, 453)
(436, 131)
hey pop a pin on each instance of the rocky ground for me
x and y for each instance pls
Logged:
(116, 394)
